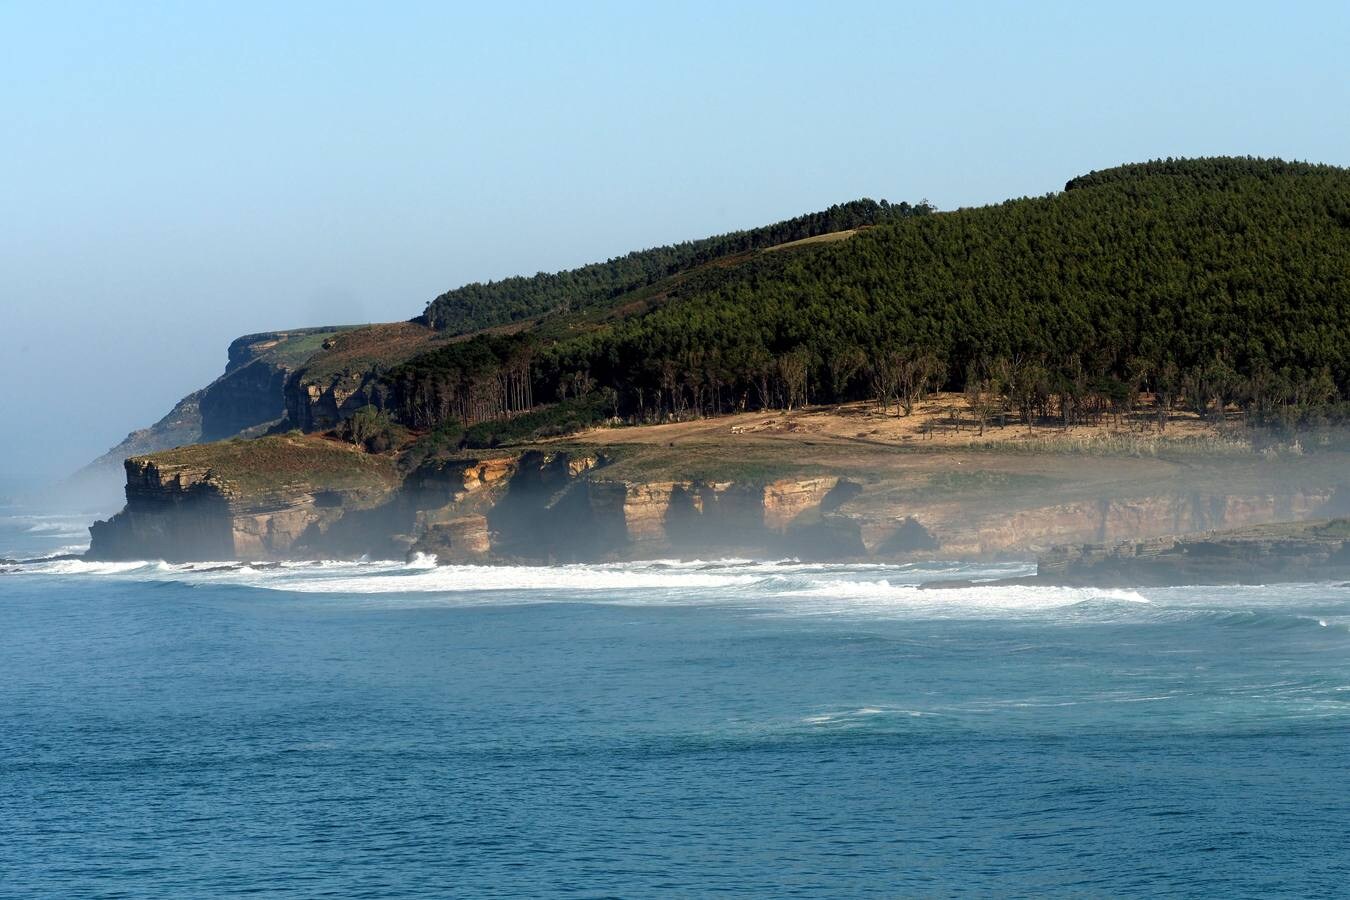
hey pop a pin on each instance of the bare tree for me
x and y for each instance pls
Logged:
(793, 369)
(916, 375)
(844, 367)
(983, 396)
(884, 379)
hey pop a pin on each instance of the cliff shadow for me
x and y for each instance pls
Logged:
(909, 537)
(548, 513)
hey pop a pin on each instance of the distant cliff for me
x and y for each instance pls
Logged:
(248, 396)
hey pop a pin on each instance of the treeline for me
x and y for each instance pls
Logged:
(485, 378)
(477, 306)
(1215, 173)
(1201, 283)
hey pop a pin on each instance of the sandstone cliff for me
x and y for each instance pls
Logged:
(270, 498)
(305, 496)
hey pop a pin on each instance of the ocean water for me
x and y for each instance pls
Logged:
(675, 729)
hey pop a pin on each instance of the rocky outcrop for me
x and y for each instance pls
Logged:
(248, 396)
(1309, 552)
(274, 498)
(323, 404)
(251, 393)
(561, 507)
(960, 531)
(180, 512)
(347, 375)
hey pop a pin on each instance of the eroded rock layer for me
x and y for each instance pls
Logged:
(537, 506)
(1309, 552)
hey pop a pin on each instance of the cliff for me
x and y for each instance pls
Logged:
(1315, 551)
(269, 498)
(248, 396)
(562, 507)
(314, 497)
(346, 375)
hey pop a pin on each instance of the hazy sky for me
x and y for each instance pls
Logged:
(174, 175)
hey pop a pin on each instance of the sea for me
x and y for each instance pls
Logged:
(668, 728)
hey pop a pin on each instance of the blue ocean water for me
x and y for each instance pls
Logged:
(382, 729)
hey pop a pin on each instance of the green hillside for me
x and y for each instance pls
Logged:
(477, 306)
(1207, 282)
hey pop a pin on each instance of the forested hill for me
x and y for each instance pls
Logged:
(477, 306)
(1217, 174)
(1206, 281)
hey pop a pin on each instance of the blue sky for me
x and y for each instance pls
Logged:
(175, 175)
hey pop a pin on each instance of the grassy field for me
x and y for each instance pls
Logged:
(362, 348)
(296, 348)
(285, 462)
(926, 459)
(818, 239)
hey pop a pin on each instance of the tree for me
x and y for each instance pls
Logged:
(915, 374)
(844, 366)
(369, 427)
(793, 369)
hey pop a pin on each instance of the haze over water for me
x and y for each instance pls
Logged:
(675, 729)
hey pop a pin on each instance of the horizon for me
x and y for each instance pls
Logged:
(192, 175)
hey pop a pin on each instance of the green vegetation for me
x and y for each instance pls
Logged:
(292, 348)
(371, 428)
(477, 306)
(567, 417)
(1200, 284)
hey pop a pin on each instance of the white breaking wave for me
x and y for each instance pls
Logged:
(419, 577)
(59, 528)
(785, 586)
(1002, 597)
(81, 567)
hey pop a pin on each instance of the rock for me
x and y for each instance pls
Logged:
(331, 385)
(248, 396)
(272, 498)
(1261, 555)
(296, 496)
(461, 540)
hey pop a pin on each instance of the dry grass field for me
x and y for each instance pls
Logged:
(936, 455)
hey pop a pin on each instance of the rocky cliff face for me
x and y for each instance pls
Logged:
(1261, 555)
(180, 511)
(346, 376)
(320, 404)
(248, 396)
(284, 498)
(251, 393)
(323, 499)
(560, 507)
(960, 531)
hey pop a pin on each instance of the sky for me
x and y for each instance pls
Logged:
(173, 175)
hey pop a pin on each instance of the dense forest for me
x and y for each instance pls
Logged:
(477, 306)
(1202, 283)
